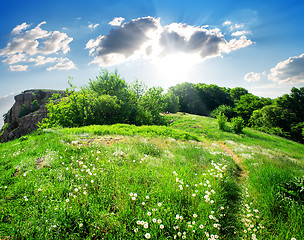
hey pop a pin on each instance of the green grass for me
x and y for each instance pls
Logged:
(128, 182)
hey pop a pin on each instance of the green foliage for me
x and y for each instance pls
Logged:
(106, 100)
(222, 121)
(3, 128)
(24, 111)
(292, 190)
(272, 119)
(35, 106)
(237, 92)
(237, 125)
(227, 110)
(213, 96)
(82, 109)
(171, 102)
(189, 100)
(247, 104)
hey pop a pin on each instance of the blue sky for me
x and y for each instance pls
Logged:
(253, 44)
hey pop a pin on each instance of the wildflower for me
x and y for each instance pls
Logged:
(136, 230)
(161, 226)
(159, 204)
(195, 215)
(143, 203)
(131, 194)
(149, 213)
(80, 225)
(193, 195)
(138, 222)
(179, 234)
(67, 200)
(84, 193)
(184, 237)
(154, 220)
(147, 235)
(211, 202)
(147, 197)
(135, 194)
(92, 181)
(76, 189)
(133, 198)
(159, 221)
(146, 226)
(39, 190)
(177, 216)
(201, 226)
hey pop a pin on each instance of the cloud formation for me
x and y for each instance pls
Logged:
(18, 68)
(146, 37)
(253, 77)
(117, 21)
(63, 64)
(92, 26)
(35, 41)
(289, 71)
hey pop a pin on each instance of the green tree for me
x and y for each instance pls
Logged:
(189, 100)
(170, 102)
(249, 103)
(213, 96)
(237, 92)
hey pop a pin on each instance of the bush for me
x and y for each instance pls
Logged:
(221, 121)
(227, 110)
(237, 124)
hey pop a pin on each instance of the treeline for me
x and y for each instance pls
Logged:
(283, 116)
(109, 99)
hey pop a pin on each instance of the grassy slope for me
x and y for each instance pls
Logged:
(93, 182)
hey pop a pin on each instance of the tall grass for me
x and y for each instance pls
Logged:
(128, 182)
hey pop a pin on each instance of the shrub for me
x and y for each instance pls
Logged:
(237, 125)
(221, 121)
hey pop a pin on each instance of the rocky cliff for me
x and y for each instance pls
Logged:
(29, 109)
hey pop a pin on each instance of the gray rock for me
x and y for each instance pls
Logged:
(17, 124)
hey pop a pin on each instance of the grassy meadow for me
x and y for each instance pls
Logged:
(187, 180)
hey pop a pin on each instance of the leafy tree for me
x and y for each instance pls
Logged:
(237, 125)
(273, 119)
(153, 102)
(237, 92)
(249, 103)
(170, 102)
(221, 121)
(227, 110)
(213, 96)
(189, 100)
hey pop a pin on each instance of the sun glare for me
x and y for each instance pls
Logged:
(175, 68)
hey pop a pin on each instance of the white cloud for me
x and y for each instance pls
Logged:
(63, 64)
(117, 21)
(239, 33)
(253, 77)
(289, 71)
(41, 60)
(227, 22)
(12, 59)
(146, 37)
(91, 26)
(19, 28)
(18, 68)
(36, 41)
(235, 44)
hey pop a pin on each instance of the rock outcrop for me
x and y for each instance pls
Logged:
(29, 109)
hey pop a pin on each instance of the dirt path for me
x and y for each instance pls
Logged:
(235, 157)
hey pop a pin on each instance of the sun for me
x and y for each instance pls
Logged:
(175, 68)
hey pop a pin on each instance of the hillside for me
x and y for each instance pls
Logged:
(188, 180)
